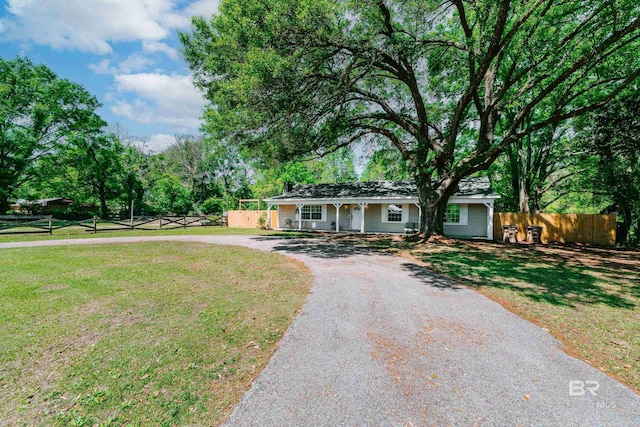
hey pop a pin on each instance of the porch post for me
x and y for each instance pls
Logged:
(300, 205)
(337, 206)
(269, 206)
(419, 214)
(489, 220)
(362, 208)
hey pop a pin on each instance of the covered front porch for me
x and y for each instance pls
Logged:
(361, 216)
(382, 207)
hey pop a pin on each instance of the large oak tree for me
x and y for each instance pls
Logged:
(450, 83)
(611, 136)
(38, 113)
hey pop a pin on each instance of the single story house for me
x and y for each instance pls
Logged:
(382, 207)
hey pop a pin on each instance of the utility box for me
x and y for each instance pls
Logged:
(534, 233)
(510, 233)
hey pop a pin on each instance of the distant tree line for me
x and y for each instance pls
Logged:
(54, 144)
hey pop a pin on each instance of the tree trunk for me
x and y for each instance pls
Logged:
(523, 190)
(4, 206)
(626, 213)
(104, 211)
(429, 224)
(536, 201)
(523, 198)
(7, 188)
(433, 204)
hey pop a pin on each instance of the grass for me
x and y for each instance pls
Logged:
(80, 233)
(138, 334)
(589, 298)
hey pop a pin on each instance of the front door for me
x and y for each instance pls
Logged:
(356, 217)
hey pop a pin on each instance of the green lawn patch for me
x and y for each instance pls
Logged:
(81, 233)
(138, 334)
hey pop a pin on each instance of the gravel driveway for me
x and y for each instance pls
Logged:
(383, 342)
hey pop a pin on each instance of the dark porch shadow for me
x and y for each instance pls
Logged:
(328, 248)
(289, 235)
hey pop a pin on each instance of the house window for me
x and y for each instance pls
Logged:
(312, 212)
(457, 214)
(394, 213)
(452, 216)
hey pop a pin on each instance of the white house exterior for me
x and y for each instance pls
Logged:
(382, 207)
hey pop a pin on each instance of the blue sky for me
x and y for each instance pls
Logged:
(125, 52)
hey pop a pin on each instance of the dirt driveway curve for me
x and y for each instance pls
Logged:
(383, 342)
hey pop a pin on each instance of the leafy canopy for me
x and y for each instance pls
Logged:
(38, 113)
(449, 84)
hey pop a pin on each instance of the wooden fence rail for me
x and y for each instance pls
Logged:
(20, 224)
(563, 228)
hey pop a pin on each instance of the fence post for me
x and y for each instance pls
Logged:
(95, 224)
(160, 226)
(184, 219)
(50, 225)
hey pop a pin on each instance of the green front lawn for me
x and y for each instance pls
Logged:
(138, 334)
(78, 233)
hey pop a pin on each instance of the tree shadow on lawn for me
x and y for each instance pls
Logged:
(563, 275)
(432, 278)
(557, 280)
(618, 259)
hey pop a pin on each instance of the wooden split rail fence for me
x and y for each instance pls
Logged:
(19, 224)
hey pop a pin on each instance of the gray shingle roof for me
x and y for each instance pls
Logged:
(380, 189)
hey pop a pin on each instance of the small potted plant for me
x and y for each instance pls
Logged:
(262, 222)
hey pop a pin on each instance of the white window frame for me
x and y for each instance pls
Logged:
(464, 214)
(323, 213)
(384, 217)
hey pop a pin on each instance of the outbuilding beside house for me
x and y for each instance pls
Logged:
(43, 205)
(382, 207)
(53, 205)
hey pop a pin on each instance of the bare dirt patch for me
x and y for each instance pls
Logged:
(54, 287)
(445, 332)
(399, 361)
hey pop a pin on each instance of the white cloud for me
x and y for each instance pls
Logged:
(135, 62)
(91, 26)
(152, 47)
(159, 142)
(204, 8)
(160, 98)
(86, 25)
(124, 109)
(103, 67)
(182, 18)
